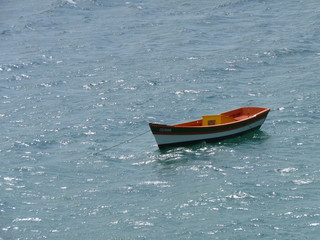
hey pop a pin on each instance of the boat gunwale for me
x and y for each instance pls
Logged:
(210, 130)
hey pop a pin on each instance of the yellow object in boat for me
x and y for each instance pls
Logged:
(210, 120)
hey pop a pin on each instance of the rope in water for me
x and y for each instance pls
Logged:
(125, 141)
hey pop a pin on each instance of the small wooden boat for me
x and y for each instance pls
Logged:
(210, 128)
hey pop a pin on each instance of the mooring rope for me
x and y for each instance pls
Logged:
(125, 141)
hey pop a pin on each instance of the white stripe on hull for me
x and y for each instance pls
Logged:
(170, 139)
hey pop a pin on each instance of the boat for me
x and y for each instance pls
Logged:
(210, 128)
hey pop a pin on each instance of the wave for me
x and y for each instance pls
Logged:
(284, 52)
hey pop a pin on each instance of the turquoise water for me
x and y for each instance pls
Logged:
(79, 77)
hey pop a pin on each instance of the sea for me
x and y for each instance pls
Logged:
(81, 79)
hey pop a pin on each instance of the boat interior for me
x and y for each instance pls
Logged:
(223, 118)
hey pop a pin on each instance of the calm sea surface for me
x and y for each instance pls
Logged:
(80, 77)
